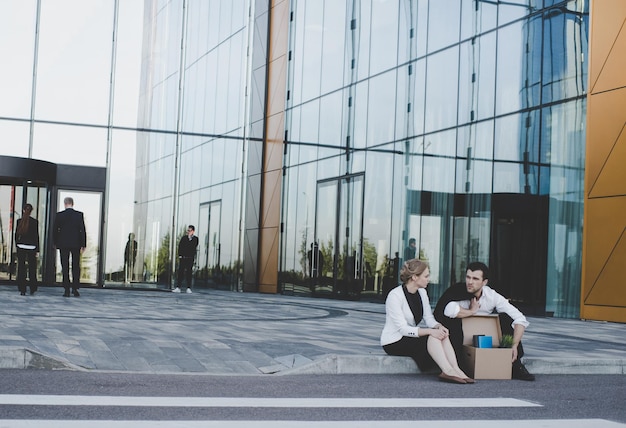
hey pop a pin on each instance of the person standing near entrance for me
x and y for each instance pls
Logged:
(186, 255)
(27, 242)
(70, 238)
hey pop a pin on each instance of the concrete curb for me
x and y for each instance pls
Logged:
(575, 366)
(385, 364)
(22, 358)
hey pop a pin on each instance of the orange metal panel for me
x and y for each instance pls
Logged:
(274, 145)
(607, 20)
(268, 263)
(604, 231)
(606, 114)
(604, 313)
(270, 211)
(277, 86)
(612, 73)
(611, 180)
(279, 32)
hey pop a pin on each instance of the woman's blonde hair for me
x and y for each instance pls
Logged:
(412, 267)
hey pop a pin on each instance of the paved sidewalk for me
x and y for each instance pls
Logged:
(222, 332)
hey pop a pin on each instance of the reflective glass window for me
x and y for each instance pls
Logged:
(512, 10)
(414, 163)
(517, 137)
(17, 43)
(442, 35)
(518, 62)
(418, 106)
(441, 90)
(476, 78)
(377, 210)
(236, 82)
(478, 138)
(381, 114)
(513, 177)
(78, 33)
(437, 174)
(477, 17)
(384, 35)
(121, 203)
(404, 99)
(362, 35)
(81, 145)
(565, 44)
(441, 143)
(333, 45)
(359, 104)
(309, 122)
(474, 177)
(312, 46)
(330, 124)
(128, 63)
(15, 136)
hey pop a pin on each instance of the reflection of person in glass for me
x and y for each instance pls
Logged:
(130, 256)
(70, 238)
(407, 309)
(27, 241)
(409, 252)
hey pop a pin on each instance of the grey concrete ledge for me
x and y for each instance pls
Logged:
(575, 365)
(386, 364)
(22, 358)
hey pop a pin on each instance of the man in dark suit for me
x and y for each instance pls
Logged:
(71, 239)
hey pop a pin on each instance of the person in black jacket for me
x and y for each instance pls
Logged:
(186, 255)
(27, 242)
(70, 238)
(475, 297)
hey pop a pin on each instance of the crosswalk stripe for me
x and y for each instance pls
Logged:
(130, 401)
(543, 423)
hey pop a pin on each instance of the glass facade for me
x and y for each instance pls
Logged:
(457, 123)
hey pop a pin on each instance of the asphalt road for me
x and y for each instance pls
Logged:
(33, 395)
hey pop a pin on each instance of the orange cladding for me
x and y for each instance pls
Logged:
(603, 296)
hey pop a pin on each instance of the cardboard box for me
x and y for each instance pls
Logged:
(486, 363)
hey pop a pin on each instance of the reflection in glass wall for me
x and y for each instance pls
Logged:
(448, 131)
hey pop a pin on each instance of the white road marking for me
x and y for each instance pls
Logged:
(129, 401)
(531, 423)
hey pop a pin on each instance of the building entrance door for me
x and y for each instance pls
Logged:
(209, 246)
(12, 200)
(336, 256)
(90, 203)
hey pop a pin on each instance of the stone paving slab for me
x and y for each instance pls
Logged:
(222, 332)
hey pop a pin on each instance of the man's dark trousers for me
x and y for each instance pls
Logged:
(65, 267)
(185, 265)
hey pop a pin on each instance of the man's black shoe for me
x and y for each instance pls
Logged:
(520, 372)
(76, 293)
(66, 294)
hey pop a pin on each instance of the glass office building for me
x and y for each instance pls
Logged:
(458, 125)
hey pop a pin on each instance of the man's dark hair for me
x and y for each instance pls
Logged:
(479, 266)
(191, 227)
